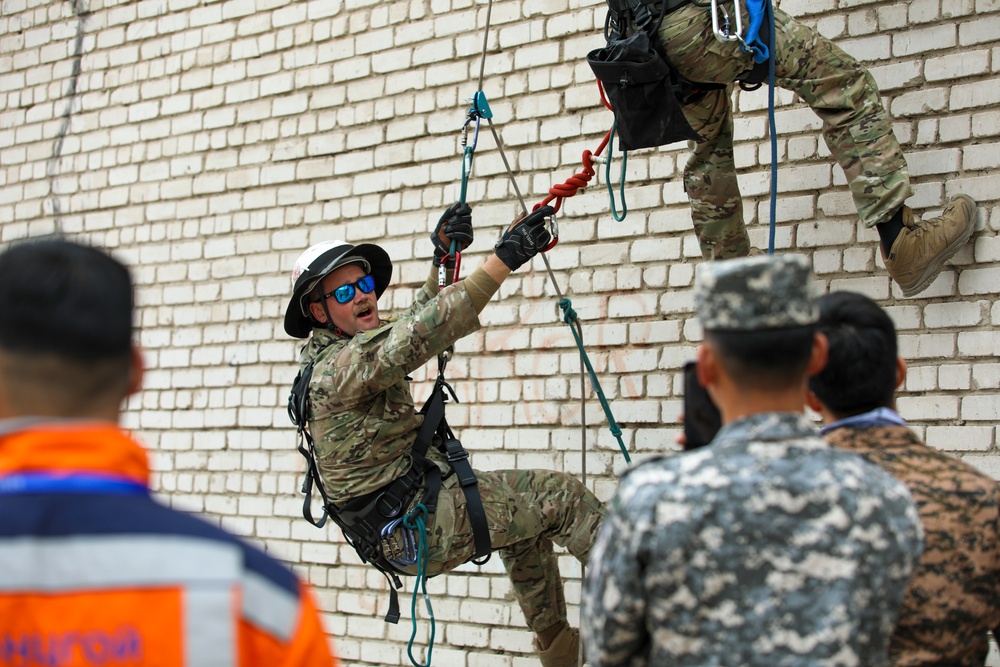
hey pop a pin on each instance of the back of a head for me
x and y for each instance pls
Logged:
(759, 315)
(860, 374)
(65, 327)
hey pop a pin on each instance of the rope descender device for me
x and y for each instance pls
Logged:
(479, 108)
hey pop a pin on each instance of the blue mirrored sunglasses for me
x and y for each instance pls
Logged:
(345, 293)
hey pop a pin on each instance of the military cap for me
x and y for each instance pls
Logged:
(753, 293)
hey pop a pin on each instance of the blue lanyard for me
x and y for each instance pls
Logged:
(43, 482)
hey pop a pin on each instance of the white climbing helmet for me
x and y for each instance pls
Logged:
(319, 261)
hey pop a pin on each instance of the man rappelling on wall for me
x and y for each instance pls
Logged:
(379, 463)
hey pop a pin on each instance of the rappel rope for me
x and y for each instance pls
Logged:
(772, 127)
(417, 520)
(750, 43)
(558, 193)
(479, 109)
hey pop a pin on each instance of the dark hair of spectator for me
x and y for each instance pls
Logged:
(764, 359)
(861, 372)
(63, 299)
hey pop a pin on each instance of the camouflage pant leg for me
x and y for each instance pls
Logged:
(841, 92)
(526, 511)
(710, 174)
(856, 127)
(710, 180)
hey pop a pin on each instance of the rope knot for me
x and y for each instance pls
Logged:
(569, 315)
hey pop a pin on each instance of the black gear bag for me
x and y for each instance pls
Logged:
(643, 92)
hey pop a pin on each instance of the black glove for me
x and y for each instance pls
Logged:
(524, 239)
(455, 225)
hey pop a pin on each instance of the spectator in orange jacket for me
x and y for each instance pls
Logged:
(92, 569)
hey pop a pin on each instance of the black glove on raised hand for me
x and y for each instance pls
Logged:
(524, 239)
(455, 225)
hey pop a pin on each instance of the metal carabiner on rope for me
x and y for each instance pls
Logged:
(479, 108)
(722, 33)
(553, 232)
(468, 152)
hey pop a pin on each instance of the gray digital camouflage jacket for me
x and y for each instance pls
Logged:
(766, 548)
(363, 419)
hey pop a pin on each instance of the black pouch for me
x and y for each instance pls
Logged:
(640, 88)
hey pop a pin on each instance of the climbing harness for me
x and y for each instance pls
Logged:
(364, 520)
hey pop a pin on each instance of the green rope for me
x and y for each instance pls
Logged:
(607, 176)
(416, 520)
(569, 316)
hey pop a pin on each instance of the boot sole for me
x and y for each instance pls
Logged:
(935, 267)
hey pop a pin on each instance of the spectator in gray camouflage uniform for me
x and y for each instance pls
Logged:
(767, 547)
(364, 424)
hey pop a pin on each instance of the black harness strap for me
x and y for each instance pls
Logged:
(458, 460)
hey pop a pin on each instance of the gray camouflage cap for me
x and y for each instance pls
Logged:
(752, 293)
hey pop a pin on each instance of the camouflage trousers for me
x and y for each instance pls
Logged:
(843, 94)
(527, 511)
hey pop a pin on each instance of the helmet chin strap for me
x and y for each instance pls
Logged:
(329, 325)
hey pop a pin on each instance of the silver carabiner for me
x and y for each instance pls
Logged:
(723, 34)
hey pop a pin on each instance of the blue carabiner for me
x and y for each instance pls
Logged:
(468, 152)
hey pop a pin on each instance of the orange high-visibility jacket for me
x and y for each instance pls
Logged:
(93, 571)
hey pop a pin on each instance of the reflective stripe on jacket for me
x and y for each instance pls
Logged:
(104, 577)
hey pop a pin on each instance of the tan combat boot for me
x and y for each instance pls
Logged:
(919, 252)
(564, 651)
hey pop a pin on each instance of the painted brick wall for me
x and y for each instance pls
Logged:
(209, 142)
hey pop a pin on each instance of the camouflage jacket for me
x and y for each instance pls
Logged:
(363, 419)
(766, 548)
(954, 596)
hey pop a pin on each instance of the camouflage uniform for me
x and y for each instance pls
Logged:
(364, 424)
(843, 94)
(768, 547)
(954, 596)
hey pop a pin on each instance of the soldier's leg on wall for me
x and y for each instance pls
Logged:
(710, 180)
(856, 126)
(710, 175)
(540, 507)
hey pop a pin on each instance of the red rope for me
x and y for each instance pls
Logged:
(581, 179)
(577, 181)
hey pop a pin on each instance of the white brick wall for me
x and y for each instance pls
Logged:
(210, 142)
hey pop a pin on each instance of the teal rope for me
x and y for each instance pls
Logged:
(607, 176)
(569, 316)
(416, 520)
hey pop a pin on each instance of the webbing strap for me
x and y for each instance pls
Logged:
(458, 460)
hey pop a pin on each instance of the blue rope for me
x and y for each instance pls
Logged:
(772, 129)
(417, 520)
(607, 175)
(569, 317)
